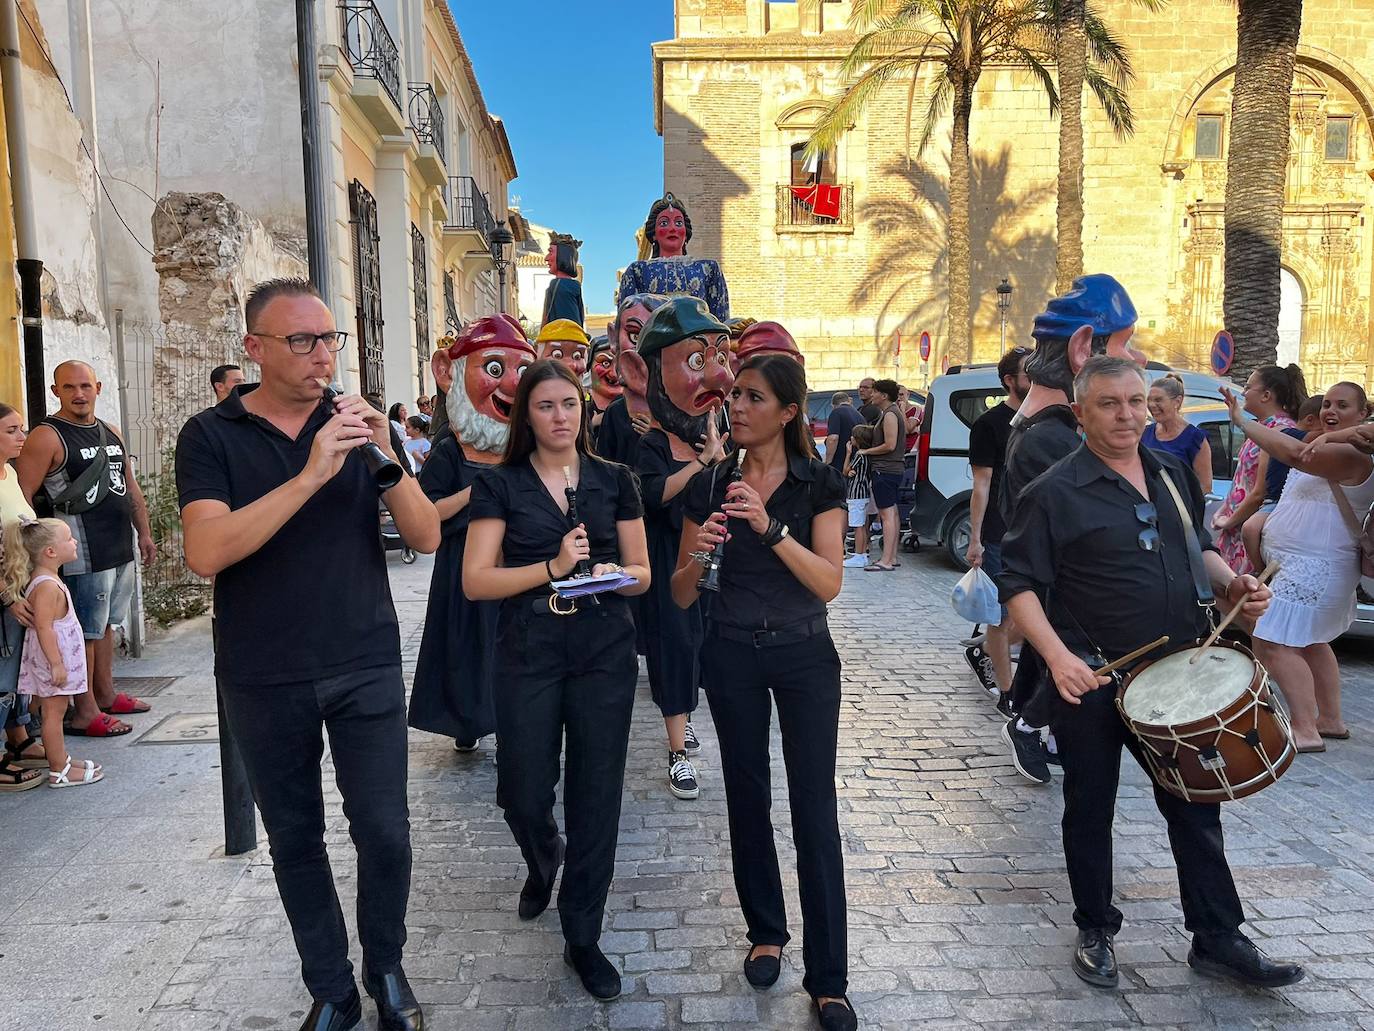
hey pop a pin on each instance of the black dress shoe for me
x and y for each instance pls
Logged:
(534, 896)
(397, 1008)
(595, 970)
(334, 1016)
(762, 971)
(836, 1016)
(1236, 957)
(1094, 960)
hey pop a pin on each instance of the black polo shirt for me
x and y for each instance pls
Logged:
(757, 591)
(1032, 447)
(1074, 541)
(535, 525)
(314, 601)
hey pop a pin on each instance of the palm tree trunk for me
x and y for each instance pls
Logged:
(1072, 57)
(1257, 162)
(960, 342)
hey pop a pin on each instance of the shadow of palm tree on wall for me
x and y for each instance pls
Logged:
(908, 274)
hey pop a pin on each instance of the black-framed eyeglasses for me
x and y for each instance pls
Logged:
(304, 343)
(1148, 539)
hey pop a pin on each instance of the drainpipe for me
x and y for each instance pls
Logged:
(316, 217)
(25, 232)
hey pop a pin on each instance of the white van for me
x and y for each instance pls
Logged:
(944, 481)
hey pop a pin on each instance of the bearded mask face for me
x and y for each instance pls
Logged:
(479, 405)
(688, 380)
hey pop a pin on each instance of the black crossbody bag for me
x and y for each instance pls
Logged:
(95, 477)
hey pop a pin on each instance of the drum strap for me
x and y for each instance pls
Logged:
(1202, 583)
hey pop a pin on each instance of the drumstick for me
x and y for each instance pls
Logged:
(1132, 656)
(1269, 572)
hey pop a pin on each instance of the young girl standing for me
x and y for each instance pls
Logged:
(54, 663)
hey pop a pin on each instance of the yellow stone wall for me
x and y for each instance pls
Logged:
(745, 79)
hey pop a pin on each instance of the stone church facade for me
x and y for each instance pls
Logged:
(739, 88)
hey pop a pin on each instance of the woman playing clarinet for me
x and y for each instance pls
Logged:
(562, 666)
(780, 529)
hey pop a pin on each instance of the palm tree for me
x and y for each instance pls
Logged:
(961, 37)
(1086, 52)
(1256, 166)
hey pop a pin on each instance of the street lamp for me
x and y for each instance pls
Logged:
(498, 239)
(1003, 303)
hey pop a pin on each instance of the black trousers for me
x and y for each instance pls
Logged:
(1090, 737)
(278, 728)
(742, 683)
(572, 676)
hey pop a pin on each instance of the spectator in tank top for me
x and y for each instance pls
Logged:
(101, 580)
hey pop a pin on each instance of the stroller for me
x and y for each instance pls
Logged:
(391, 537)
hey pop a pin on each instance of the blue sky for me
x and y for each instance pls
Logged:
(573, 82)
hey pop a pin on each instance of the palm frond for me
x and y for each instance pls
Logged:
(937, 104)
(1047, 79)
(1115, 104)
(845, 109)
(1107, 49)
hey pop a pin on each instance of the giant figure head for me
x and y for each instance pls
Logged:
(564, 341)
(1095, 317)
(682, 367)
(668, 228)
(765, 338)
(631, 315)
(562, 255)
(603, 380)
(478, 372)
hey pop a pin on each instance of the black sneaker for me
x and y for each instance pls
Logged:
(690, 744)
(1005, 706)
(1027, 753)
(682, 776)
(981, 663)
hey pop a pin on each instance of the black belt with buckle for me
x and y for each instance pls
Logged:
(792, 633)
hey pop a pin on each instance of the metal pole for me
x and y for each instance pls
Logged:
(1003, 349)
(29, 266)
(316, 216)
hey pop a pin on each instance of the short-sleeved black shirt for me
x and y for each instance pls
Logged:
(1276, 472)
(870, 413)
(446, 472)
(1074, 541)
(535, 525)
(314, 601)
(987, 449)
(1033, 446)
(841, 423)
(653, 467)
(757, 591)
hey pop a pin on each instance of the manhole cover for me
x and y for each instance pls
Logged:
(144, 687)
(184, 728)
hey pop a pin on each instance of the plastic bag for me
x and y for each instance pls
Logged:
(975, 598)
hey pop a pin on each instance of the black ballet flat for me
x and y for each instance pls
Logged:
(836, 1016)
(763, 971)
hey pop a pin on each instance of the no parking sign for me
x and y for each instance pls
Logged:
(925, 347)
(1223, 353)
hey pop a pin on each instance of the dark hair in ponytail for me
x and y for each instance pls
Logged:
(1287, 385)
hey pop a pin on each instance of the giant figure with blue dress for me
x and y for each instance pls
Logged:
(670, 270)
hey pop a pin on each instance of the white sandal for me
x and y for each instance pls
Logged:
(90, 773)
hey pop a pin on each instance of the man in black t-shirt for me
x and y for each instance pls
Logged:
(279, 507)
(868, 404)
(839, 425)
(987, 451)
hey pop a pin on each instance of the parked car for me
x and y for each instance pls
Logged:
(818, 407)
(944, 481)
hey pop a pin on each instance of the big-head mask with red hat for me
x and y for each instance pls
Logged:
(478, 371)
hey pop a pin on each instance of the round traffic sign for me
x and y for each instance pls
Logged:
(1223, 353)
(925, 347)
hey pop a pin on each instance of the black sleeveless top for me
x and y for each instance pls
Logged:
(104, 534)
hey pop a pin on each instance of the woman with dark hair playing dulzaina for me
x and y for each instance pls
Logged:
(562, 667)
(767, 642)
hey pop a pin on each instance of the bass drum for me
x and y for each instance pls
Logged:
(1212, 731)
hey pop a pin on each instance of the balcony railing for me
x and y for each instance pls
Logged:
(426, 115)
(467, 206)
(793, 212)
(371, 50)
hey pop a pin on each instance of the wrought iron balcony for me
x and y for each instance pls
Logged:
(794, 212)
(467, 208)
(369, 46)
(426, 116)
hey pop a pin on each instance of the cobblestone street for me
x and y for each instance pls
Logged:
(120, 911)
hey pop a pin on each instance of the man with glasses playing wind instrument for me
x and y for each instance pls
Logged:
(1096, 563)
(279, 506)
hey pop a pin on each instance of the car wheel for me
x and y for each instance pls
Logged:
(957, 537)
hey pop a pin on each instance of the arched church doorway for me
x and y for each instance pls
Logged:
(1290, 319)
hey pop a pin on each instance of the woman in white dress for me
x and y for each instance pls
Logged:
(1315, 542)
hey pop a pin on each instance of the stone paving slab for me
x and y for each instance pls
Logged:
(959, 906)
